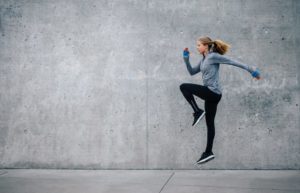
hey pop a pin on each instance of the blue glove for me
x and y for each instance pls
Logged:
(186, 53)
(256, 73)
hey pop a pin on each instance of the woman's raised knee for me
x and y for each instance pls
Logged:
(182, 86)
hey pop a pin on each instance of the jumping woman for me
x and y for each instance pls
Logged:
(211, 91)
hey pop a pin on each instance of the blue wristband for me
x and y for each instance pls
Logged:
(255, 73)
(186, 54)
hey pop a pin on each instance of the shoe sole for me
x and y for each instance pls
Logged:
(206, 159)
(199, 119)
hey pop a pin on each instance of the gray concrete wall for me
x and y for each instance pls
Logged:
(95, 84)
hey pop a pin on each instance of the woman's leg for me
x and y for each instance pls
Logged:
(188, 90)
(211, 109)
(211, 102)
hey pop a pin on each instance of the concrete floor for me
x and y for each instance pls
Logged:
(149, 181)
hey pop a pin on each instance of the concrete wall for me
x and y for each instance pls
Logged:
(95, 84)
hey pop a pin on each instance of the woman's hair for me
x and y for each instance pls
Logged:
(215, 45)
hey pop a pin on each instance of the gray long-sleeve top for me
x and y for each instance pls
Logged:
(209, 66)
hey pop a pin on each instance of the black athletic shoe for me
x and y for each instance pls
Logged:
(198, 116)
(205, 157)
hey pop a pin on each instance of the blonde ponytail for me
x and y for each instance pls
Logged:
(220, 46)
(216, 46)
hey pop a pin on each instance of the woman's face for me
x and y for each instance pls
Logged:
(201, 47)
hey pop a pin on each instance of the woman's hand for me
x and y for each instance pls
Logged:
(256, 74)
(186, 53)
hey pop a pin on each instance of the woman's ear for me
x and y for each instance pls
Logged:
(207, 47)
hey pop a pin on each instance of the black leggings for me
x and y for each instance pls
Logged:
(211, 102)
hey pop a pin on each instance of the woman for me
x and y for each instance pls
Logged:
(211, 91)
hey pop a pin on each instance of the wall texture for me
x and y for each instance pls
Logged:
(95, 84)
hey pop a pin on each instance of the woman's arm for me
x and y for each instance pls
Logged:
(191, 70)
(186, 58)
(218, 58)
